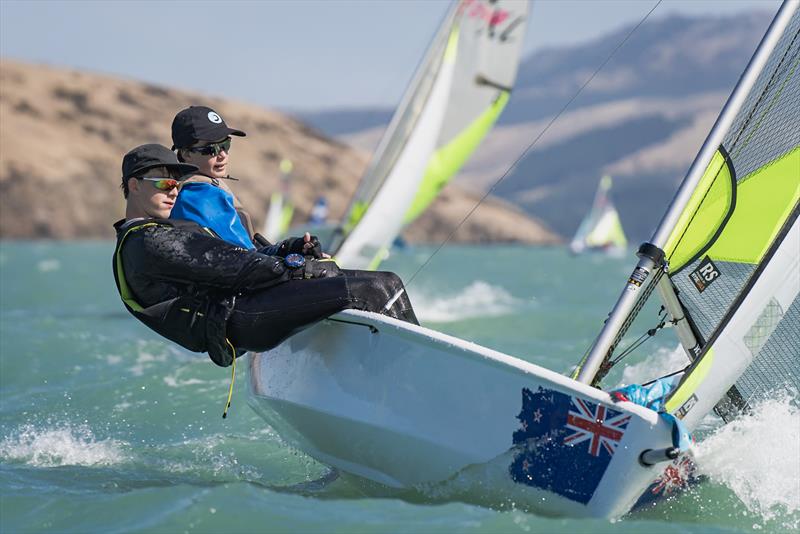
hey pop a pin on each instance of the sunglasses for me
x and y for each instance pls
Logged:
(163, 184)
(213, 148)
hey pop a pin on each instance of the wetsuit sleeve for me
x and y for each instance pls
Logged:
(180, 255)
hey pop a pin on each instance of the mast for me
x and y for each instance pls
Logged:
(651, 254)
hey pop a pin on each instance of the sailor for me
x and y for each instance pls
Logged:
(183, 281)
(202, 138)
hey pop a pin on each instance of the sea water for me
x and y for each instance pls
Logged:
(105, 427)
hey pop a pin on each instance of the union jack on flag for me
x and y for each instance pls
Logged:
(602, 427)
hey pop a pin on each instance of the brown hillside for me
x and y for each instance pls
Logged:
(63, 134)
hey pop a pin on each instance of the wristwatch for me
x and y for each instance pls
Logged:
(293, 261)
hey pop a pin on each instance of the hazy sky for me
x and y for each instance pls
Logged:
(302, 54)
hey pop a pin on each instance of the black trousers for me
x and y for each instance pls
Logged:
(263, 319)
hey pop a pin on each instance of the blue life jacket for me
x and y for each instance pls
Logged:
(212, 207)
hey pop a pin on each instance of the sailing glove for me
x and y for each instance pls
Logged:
(314, 268)
(295, 245)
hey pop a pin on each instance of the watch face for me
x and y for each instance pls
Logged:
(294, 260)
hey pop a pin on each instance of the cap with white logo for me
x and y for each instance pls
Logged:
(199, 123)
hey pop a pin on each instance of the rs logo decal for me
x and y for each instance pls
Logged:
(704, 275)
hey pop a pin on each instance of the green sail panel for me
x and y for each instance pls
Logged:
(449, 159)
(710, 205)
(764, 201)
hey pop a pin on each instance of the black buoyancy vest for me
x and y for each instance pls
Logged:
(193, 321)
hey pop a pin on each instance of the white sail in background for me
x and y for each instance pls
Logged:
(281, 209)
(490, 39)
(601, 229)
(456, 96)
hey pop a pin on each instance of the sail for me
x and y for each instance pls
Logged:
(729, 246)
(376, 211)
(453, 100)
(601, 228)
(491, 36)
(281, 209)
(734, 255)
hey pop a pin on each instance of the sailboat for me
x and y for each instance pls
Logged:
(408, 406)
(456, 95)
(281, 209)
(601, 230)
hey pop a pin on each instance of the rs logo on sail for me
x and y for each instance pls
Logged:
(705, 273)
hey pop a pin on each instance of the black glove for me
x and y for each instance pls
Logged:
(316, 269)
(295, 245)
(313, 248)
(261, 241)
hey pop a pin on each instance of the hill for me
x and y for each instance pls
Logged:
(63, 134)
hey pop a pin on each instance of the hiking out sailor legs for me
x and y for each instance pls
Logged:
(263, 319)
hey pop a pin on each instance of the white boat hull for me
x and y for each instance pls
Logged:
(407, 406)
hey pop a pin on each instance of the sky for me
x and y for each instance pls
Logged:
(293, 55)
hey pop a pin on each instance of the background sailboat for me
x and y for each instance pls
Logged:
(601, 229)
(281, 208)
(455, 97)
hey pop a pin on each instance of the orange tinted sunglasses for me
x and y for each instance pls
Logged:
(163, 184)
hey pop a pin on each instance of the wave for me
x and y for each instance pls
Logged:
(48, 265)
(479, 299)
(61, 446)
(756, 456)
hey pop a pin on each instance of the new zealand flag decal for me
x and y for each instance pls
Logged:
(565, 443)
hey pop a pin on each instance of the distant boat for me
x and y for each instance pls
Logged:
(281, 209)
(601, 230)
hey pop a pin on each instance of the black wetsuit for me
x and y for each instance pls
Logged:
(208, 295)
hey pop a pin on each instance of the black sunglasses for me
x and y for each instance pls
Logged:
(212, 148)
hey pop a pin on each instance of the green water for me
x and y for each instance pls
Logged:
(106, 428)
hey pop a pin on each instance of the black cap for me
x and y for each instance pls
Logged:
(197, 123)
(145, 157)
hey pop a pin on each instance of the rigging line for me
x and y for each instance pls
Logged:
(533, 143)
(679, 371)
(638, 343)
